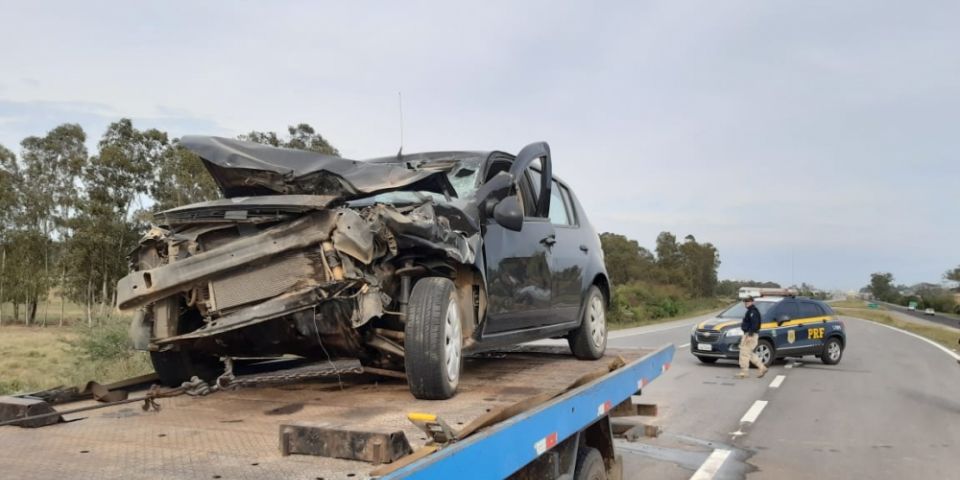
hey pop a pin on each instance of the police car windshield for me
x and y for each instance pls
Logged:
(739, 310)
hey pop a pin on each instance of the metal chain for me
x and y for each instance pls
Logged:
(198, 387)
(291, 376)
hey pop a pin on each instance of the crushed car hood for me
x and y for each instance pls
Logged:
(249, 169)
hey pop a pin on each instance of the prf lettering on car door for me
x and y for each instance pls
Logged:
(815, 333)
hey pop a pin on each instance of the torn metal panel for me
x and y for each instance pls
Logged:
(354, 236)
(246, 168)
(422, 227)
(142, 287)
(257, 209)
(270, 309)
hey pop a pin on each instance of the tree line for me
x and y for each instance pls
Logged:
(68, 217)
(674, 278)
(926, 295)
(689, 264)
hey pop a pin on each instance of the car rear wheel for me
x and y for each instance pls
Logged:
(832, 352)
(707, 359)
(433, 341)
(766, 353)
(589, 341)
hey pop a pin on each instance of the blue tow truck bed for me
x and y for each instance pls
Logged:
(556, 405)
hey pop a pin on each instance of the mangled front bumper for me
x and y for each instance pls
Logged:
(146, 286)
(327, 269)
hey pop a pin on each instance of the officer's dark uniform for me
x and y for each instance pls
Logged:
(750, 327)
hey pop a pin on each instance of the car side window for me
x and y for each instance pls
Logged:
(571, 209)
(524, 194)
(788, 308)
(559, 214)
(533, 187)
(809, 309)
(528, 195)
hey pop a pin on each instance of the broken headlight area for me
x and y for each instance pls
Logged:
(274, 279)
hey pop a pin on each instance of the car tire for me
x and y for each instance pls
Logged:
(590, 465)
(832, 351)
(433, 341)
(589, 340)
(707, 359)
(177, 366)
(766, 352)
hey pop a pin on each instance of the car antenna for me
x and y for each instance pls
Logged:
(400, 108)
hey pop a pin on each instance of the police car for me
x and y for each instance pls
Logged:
(791, 327)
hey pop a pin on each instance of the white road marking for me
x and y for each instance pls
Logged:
(685, 345)
(777, 381)
(754, 412)
(622, 334)
(914, 335)
(712, 465)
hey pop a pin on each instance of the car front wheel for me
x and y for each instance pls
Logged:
(589, 341)
(765, 351)
(832, 352)
(433, 342)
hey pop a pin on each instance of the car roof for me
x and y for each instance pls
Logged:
(768, 299)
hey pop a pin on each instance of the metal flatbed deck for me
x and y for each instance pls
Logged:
(235, 434)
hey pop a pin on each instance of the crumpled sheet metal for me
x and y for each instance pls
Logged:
(243, 168)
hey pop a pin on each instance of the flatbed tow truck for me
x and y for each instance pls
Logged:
(527, 412)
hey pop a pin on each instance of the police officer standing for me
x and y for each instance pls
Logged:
(748, 343)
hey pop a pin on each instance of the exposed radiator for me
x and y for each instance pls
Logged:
(256, 283)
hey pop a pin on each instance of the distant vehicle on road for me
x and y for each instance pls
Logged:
(929, 311)
(791, 327)
(912, 306)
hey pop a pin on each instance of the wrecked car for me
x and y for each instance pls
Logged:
(405, 263)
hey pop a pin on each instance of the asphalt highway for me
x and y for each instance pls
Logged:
(949, 320)
(889, 410)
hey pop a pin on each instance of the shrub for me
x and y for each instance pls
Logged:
(639, 301)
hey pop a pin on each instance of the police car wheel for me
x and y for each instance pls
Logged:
(765, 351)
(832, 352)
(707, 359)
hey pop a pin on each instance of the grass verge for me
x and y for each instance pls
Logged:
(853, 303)
(691, 308)
(942, 335)
(33, 358)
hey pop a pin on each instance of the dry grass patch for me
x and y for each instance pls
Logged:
(33, 358)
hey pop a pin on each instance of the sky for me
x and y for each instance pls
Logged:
(810, 141)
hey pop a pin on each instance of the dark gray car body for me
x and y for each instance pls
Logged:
(307, 250)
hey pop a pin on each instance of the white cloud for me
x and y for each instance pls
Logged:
(817, 130)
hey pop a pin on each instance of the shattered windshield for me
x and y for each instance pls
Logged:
(462, 175)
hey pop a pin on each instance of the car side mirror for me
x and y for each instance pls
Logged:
(783, 318)
(508, 213)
